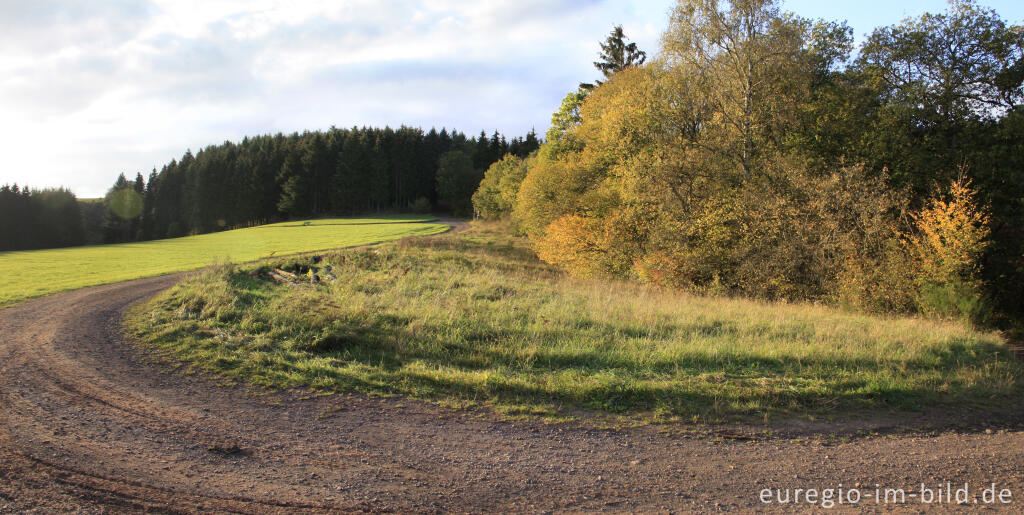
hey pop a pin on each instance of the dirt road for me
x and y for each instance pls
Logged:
(87, 423)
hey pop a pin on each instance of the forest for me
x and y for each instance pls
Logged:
(264, 179)
(766, 155)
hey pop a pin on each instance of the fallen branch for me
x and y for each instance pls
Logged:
(280, 278)
(286, 274)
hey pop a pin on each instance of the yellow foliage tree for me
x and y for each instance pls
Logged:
(952, 235)
(611, 133)
(496, 195)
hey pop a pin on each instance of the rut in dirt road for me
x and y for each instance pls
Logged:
(87, 421)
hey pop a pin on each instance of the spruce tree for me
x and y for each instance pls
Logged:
(616, 55)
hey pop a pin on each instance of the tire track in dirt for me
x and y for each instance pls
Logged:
(88, 423)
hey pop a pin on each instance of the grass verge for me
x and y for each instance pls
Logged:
(33, 273)
(474, 319)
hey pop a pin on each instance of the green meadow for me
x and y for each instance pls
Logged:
(28, 274)
(474, 318)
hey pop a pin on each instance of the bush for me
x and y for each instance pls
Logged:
(569, 242)
(496, 196)
(956, 299)
(952, 235)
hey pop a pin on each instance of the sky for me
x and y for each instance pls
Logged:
(93, 88)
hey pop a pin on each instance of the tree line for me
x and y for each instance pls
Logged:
(35, 219)
(758, 155)
(266, 178)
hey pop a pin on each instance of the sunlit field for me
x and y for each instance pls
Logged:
(475, 319)
(28, 274)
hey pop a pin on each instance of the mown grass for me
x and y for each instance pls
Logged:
(29, 274)
(474, 318)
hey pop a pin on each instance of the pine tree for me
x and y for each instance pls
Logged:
(135, 226)
(616, 55)
(123, 205)
(294, 200)
(456, 182)
(149, 207)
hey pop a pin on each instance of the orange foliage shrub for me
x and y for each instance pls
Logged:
(568, 242)
(952, 234)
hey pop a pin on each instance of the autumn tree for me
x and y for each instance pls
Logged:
(496, 196)
(748, 62)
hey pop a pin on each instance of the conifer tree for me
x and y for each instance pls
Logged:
(616, 55)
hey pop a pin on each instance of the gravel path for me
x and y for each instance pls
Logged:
(89, 424)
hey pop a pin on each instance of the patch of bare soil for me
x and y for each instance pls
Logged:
(89, 424)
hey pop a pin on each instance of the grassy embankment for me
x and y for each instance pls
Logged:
(474, 318)
(28, 274)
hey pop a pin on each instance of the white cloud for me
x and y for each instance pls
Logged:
(91, 89)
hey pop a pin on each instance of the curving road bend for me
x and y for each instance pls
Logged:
(90, 424)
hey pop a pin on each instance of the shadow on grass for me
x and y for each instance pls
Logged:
(427, 365)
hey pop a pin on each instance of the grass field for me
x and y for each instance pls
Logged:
(28, 274)
(474, 319)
